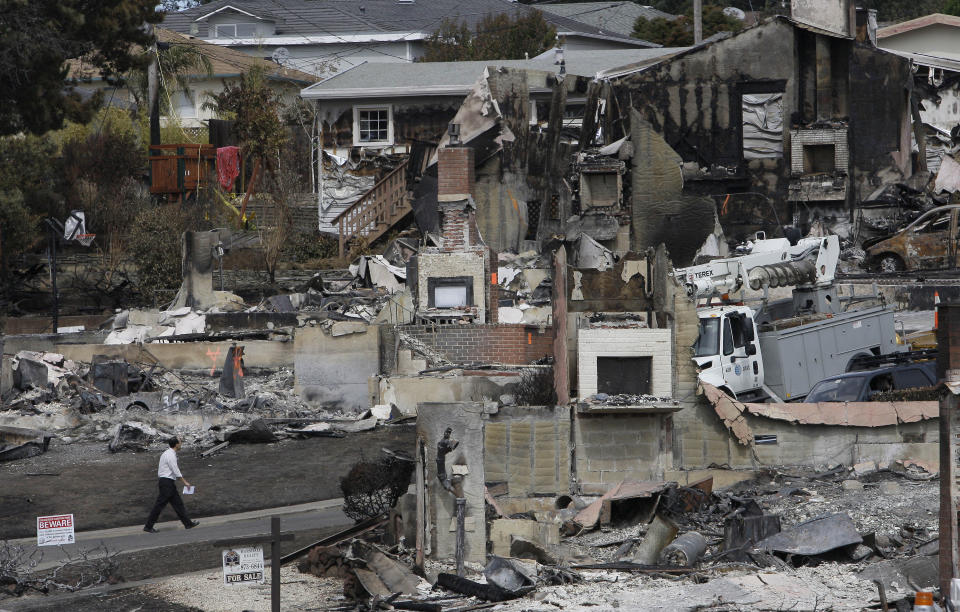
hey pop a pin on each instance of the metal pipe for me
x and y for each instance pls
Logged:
(461, 535)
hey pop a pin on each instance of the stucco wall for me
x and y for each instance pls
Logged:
(336, 370)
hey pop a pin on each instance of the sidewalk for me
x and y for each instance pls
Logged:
(301, 517)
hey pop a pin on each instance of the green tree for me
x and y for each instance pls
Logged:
(101, 171)
(18, 227)
(952, 7)
(679, 32)
(177, 63)
(496, 37)
(256, 110)
(28, 164)
(37, 37)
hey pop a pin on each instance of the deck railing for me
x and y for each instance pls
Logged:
(377, 211)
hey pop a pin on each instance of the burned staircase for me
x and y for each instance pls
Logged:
(378, 211)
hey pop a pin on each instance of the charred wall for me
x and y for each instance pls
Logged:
(662, 212)
(694, 101)
(880, 88)
(520, 187)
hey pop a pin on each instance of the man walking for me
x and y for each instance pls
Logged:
(168, 472)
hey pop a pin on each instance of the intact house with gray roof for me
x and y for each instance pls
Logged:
(608, 17)
(325, 37)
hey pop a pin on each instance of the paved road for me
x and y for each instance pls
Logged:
(304, 517)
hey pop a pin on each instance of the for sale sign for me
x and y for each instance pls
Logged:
(55, 530)
(243, 565)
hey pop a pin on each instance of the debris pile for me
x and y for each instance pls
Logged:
(809, 539)
(136, 406)
(627, 399)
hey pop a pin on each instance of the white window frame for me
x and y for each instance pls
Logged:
(217, 27)
(356, 125)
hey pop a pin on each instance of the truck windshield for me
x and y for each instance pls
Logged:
(836, 390)
(708, 342)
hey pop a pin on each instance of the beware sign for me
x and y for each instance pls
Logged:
(243, 565)
(55, 530)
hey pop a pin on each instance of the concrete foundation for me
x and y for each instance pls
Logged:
(257, 354)
(406, 392)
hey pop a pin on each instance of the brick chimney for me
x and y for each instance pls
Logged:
(455, 189)
(455, 174)
(456, 219)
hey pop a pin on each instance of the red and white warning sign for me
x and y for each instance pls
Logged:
(55, 530)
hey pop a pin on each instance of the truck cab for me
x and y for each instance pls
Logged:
(727, 353)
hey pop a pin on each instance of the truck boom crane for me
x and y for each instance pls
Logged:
(769, 263)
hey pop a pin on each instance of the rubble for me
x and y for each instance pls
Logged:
(135, 436)
(20, 443)
(64, 400)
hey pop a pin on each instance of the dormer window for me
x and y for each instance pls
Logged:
(236, 30)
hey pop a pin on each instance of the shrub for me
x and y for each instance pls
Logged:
(372, 488)
(306, 246)
(154, 248)
(536, 388)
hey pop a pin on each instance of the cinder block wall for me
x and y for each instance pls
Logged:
(624, 342)
(528, 447)
(507, 344)
(612, 447)
(699, 438)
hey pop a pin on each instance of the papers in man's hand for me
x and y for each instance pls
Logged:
(188, 490)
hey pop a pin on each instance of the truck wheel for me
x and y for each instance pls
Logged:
(889, 263)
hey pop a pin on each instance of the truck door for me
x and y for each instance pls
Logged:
(737, 370)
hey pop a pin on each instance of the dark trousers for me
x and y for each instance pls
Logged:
(168, 495)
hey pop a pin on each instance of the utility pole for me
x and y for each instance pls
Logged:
(153, 91)
(697, 21)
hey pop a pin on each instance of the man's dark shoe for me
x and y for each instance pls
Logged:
(150, 530)
(192, 524)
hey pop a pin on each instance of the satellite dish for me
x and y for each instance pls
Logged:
(730, 11)
(281, 55)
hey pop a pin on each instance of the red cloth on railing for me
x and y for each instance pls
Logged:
(228, 166)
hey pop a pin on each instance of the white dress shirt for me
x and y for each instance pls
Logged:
(168, 465)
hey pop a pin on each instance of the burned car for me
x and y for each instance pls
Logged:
(928, 242)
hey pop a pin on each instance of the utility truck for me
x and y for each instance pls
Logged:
(778, 350)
